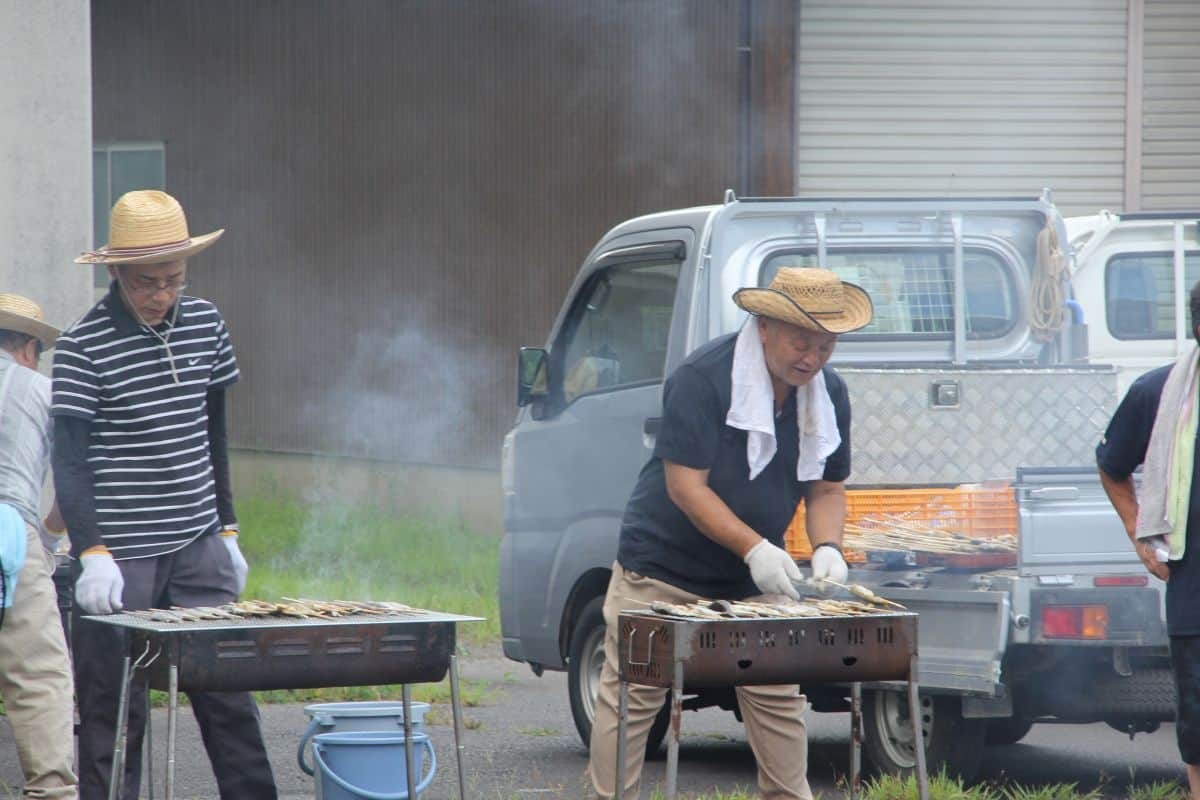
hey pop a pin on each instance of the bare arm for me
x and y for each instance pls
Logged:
(689, 490)
(825, 513)
(54, 521)
(1123, 496)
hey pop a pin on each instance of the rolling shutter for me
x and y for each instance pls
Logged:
(944, 97)
(1171, 106)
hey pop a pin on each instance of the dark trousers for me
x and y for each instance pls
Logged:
(200, 574)
(1185, 663)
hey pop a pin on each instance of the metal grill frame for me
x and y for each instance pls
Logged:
(290, 653)
(759, 651)
(684, 654)
(187, 656)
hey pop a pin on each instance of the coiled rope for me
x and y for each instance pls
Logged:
(1047, 301)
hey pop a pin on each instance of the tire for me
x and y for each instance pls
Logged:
(1007, 730)
(584, 660)
(952, 742)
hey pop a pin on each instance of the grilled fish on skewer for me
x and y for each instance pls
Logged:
(863, 592)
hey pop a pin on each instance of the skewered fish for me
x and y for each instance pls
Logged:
(862, 592)
(728, 609)
(290, 607)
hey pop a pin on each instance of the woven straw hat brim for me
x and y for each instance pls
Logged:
(856, 312)
(185, 250)
(48, 334)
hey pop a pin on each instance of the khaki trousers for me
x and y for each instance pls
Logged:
(35, 679)
(773, 715)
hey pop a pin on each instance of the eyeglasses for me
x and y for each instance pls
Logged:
(153, 288)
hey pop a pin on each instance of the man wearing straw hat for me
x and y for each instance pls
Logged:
(142, 473)
(35, 671)
(752, 423)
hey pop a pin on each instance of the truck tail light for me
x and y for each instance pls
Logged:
(1075, 622)
(1121, 580)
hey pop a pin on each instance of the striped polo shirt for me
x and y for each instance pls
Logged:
(149, 448)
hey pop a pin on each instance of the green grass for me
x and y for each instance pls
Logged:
(1159, 790)
(340, 552)
(941, 787)
(539, 731)
(1054, 791)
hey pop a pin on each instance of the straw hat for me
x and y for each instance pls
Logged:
(147, 227)
(811, 298)
(22, 315)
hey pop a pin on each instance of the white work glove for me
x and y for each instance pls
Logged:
(98, 590)
(773, 569)
(240, 568)
(828, 563)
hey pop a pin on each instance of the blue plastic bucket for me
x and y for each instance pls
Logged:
(369, 765)
(378, 715)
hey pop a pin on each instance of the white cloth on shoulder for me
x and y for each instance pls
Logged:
(1163, 497)
(752, 409)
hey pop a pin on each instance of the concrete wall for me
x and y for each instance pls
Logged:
(471, 495)
(408, 189)
(46, 153)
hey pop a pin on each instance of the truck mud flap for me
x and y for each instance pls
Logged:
(961, 637)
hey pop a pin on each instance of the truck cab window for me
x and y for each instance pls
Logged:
(1139, 293)
(913, 290)
(616, 334)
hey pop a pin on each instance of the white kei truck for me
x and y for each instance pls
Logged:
(1001, 343)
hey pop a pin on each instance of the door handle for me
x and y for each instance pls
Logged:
(1055, 493)
(651, 426)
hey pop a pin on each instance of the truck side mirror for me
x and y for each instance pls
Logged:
(532, 383)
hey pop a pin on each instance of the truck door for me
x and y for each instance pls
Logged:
(577, 452)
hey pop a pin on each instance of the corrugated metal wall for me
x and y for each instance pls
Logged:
(902, 97)
(1171, 106)
(409, 187)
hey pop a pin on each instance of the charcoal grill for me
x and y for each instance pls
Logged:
(263, 653)
(689, 653)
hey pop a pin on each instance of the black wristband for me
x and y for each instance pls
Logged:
(834, 545)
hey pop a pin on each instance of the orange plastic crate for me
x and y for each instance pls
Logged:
(973, 510)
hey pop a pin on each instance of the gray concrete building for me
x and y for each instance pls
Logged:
(45, 153)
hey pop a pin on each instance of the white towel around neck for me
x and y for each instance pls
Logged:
(752, 409)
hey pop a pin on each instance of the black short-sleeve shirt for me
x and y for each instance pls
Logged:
(1120, 452)
(657, 538)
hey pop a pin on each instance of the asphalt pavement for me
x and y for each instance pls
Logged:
(521, 745)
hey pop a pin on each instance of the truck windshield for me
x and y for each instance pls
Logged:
(913, 290)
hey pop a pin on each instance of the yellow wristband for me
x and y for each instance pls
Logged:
(96, 550)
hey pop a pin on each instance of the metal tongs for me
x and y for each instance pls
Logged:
(809, 586)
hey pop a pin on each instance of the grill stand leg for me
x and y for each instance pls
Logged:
(409, 778)
(622, 719)
(673, 730)
(456, 707)
(149, 750)
(914, 714)
(118, 761)
(856, 737)
(172, 718)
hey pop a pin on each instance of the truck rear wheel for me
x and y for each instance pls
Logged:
(585, 658)
(952, 742)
